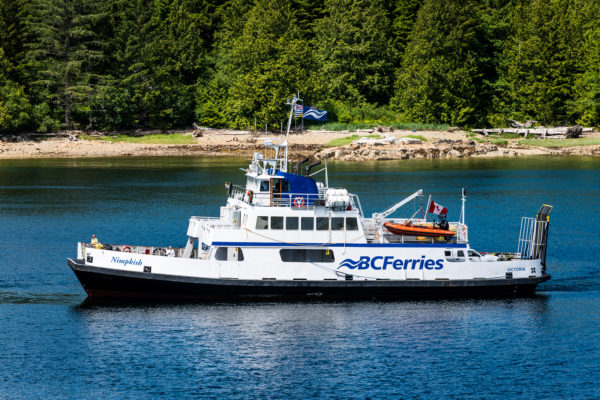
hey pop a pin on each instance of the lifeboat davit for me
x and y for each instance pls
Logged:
(401, 229)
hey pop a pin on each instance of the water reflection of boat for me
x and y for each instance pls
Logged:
(286, 235)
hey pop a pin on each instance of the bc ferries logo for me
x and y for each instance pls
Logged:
(126, 261)
(383, 263)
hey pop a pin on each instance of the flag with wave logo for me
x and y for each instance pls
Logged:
(307, 112)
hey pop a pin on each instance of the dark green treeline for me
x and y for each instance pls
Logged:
(126, 64)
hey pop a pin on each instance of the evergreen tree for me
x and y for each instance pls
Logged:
(541, 61)
(265, 63)
(62, 52)
(586, 104)
(12, 35)
(441, 78)
(403, 15)
(14, 104)
(354, 52)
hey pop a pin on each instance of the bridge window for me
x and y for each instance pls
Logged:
(276, 222)
(351, 224)
(337, 224)
(221, 254)
(291, 223)
(308, 223)
(322, 223)
(262, 222)
(264, 186)
(306, 255)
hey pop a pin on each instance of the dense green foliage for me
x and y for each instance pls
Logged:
(128, 64)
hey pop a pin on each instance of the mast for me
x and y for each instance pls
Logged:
(291, 103)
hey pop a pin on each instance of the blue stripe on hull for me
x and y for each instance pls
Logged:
(363, 245)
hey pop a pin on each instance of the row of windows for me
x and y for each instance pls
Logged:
(307, 223)
(306, 255)
(279, 185)
(287, 255)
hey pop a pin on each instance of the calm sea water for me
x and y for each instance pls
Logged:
(52, 345)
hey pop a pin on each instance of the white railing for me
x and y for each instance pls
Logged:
(132, 249)
(214, 222)
(355, 202)
(297, 200)
(238, 193)
(531, 238)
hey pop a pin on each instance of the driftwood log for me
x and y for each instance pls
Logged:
(557, 132)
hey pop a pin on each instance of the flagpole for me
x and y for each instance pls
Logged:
(462, 212)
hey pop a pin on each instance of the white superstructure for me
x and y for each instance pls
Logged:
(286, 226)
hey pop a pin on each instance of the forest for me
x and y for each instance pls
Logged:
(113, 65)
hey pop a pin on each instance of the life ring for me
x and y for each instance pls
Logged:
(126, 249)
(299, 202)
(250, 195)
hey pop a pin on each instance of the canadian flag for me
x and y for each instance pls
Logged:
(438, 209)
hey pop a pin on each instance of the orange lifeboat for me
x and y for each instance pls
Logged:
(401, 229)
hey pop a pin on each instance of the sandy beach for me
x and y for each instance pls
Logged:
(439, 144)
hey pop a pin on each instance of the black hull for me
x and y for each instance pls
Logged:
(103, 283)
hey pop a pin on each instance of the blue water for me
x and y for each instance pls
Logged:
(52, 345)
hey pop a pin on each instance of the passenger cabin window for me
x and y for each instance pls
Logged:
(322, 223)
(229, 254)
(337, 224)
(306, 255)
(264, 186)
(351, 224)
(262, 222)
(276, 222)
(308, 223)
(291, 223)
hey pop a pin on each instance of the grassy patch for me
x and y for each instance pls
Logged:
(498, 141)
(421, 137)
(353, 126)
(173, 138)
(349, 139)
(495, 135)
(415, 126)
(510, 135)
(560, 142)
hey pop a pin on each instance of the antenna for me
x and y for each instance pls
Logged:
(462, 211)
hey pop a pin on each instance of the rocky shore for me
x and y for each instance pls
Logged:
(447, 149)
(313, 144)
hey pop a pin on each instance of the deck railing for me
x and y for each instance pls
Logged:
(532, 238)
(150, 250)
(372, 231)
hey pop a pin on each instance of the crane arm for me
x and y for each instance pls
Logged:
(396, 206)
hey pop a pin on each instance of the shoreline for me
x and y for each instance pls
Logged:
(439, 144)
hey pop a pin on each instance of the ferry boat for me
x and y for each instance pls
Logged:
(285, 235)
